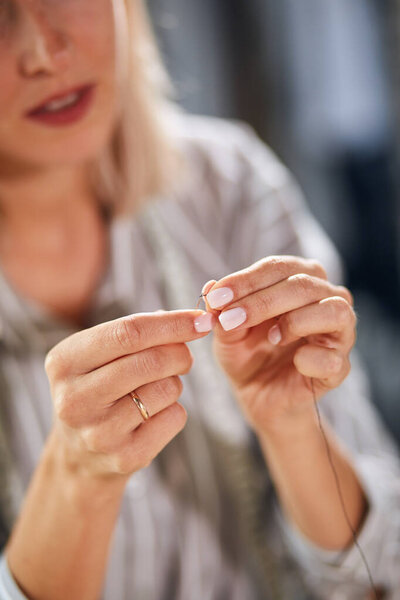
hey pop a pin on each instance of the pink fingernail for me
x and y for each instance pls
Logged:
(204, 322)
(232, 318)
(219, 297)
(274, 335)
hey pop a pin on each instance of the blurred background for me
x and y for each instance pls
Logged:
(319, 81)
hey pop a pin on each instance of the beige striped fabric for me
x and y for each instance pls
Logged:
(183, 530)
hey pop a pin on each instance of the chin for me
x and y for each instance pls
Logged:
(59, 147)
(74, 149)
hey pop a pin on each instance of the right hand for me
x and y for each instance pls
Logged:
(91, 373)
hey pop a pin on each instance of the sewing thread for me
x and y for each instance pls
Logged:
(340, 494)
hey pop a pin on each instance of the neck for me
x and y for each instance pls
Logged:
(46, 194)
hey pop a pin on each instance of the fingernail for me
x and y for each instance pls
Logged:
(204, 322)
(274, 335)
(219, 297)
(232, 318)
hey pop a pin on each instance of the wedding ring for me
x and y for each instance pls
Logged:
(143, 410)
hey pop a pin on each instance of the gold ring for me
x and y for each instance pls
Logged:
(143, 410)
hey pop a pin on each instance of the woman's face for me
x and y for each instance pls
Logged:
(57, 84)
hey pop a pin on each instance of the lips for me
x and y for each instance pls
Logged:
(65, 107)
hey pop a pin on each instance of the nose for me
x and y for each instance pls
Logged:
(45, 49)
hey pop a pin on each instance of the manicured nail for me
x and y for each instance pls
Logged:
(219, 297)
(232, 318)
(274, 335)
(204, 322)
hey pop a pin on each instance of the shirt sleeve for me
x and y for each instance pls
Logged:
(273, 218)
(9, 589)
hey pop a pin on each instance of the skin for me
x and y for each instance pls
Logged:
(97, 442)
(272, 385)
(46, 205)
(58, 547)
(47, 47)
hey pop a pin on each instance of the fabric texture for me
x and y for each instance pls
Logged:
(202, 521)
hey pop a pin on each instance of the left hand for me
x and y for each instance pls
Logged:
(291, 297)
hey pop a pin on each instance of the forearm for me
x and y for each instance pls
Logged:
(297, 460)
(58, 548)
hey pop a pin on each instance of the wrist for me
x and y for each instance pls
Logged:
(290, 429)
(83, 484)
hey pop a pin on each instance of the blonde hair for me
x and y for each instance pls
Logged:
(140, 161)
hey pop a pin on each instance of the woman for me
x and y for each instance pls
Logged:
(111, 501)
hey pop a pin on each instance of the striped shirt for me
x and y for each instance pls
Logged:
(187, 526)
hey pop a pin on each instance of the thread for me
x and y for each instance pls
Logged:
(202, 296)
(340, 494)
(374, 589)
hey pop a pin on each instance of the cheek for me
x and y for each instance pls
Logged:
(9, 86)
(91, 30)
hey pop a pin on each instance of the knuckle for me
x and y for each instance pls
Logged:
(64, 405)
(97, 439)
(344, 315)
(303, 283)
(179, 415)
(54, 364)
(127, 333)
(334, 363)
(264, 303)
(187, 360)
(181, 357)
(69, 404)
(279, 265)
(92, 439)
(123, 464)
(288, 324)
(152, 362)
(172, 387)
(346, 294)
(62, 408)
(317, 268)
(180, 386)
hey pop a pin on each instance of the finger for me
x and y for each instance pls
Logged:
(328, 365)
(283, 297)
(262, 274)
(108, 433)
(332, 315)
(83, 399)
(91, 348)
(147, 440)
(206, 288)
